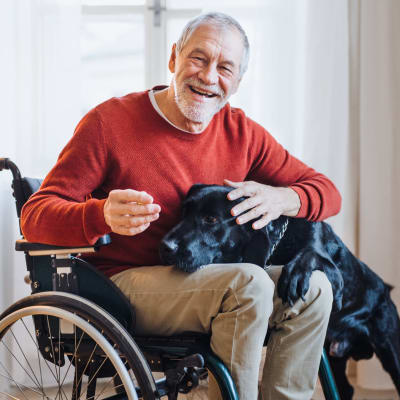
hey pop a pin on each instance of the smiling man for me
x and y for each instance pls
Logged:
(206, 73)
(127, 169)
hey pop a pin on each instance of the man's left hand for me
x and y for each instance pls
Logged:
(264, 203)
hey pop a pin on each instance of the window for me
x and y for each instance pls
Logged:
(125, 46)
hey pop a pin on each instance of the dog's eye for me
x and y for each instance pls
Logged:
(210, 220)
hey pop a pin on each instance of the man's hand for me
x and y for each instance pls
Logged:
(129, 212)
(265, 203)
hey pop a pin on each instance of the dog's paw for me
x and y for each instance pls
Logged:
(293, 283)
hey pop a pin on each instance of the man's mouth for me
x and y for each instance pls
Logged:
(202, 93)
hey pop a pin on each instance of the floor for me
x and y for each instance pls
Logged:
(360, 394)
(201, 394)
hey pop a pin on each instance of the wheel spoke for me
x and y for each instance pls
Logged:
(13, 380)
(52, 348)
(41, 388)
(95, 345)
(111, 380)
(87, 364)
(15, 358)
(76, 347)
(107, 385)
(93, 377)
(9, 395)
(23, 354)
(55, 362)
(37, 351)
(59, 355)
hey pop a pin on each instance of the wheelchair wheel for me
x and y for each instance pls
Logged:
(60, 346)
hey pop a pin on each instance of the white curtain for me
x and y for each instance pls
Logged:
(39, 106)
(348, 109)
(378, 106)
(40, 101)
(348, 123)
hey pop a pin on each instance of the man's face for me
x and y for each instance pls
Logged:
(206, 71)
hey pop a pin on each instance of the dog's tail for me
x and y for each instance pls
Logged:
(385, 335)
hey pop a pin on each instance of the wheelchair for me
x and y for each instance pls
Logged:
(74, 336)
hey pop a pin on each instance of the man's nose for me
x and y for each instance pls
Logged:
(209, 75)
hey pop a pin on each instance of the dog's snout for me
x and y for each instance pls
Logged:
(168, 251)
(170, 246)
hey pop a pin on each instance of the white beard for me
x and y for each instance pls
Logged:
(198, 112)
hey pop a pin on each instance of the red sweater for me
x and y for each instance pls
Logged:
(124, 143)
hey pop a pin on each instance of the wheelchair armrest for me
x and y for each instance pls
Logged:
(40, 249)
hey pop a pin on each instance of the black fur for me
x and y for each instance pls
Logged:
(364, 319)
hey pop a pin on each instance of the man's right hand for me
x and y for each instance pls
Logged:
(129, 212)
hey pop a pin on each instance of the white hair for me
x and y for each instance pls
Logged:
(220, 21)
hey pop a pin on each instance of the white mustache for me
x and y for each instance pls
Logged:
(199, 84)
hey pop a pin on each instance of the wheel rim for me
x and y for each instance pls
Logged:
(30, 374)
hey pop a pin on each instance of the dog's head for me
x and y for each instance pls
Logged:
(208, 233)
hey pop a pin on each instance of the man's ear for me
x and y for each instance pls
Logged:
(172, 59)
(257, 249)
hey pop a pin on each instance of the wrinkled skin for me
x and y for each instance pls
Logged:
(364, 319)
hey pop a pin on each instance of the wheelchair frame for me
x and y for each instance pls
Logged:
(56, 276)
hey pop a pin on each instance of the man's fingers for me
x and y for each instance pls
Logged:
(262, 222)
(129, 212)
(247, 204)
(130, 195)
(133, 221)
(252, 214)
(121, 230)
(244, 189)
(234, 194)
(137, 209)
(232, 183)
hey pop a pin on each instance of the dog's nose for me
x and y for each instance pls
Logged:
(169, 246)
(168, 251)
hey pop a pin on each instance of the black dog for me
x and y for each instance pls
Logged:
(364, 319)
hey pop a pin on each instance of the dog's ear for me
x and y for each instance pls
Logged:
(257, 249)
(192, 195)
(194, 189)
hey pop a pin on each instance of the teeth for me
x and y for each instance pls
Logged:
(203, 93)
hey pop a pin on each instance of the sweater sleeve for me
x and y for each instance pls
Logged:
(62, 211)
(273, 165)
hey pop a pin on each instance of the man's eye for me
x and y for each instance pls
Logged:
(226, 69)
(210, 220)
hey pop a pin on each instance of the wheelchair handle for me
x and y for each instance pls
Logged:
(6, 163)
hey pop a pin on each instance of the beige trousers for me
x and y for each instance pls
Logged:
(235, 302)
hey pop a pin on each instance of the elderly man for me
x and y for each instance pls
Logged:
(125, 171)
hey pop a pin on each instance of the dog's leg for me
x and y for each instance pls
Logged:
(385, 336)
(294, 280)
(338, 365)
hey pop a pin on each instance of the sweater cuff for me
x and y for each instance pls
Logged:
(303, 201)
(94, 224)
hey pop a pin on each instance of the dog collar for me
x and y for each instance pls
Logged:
(275, 245)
